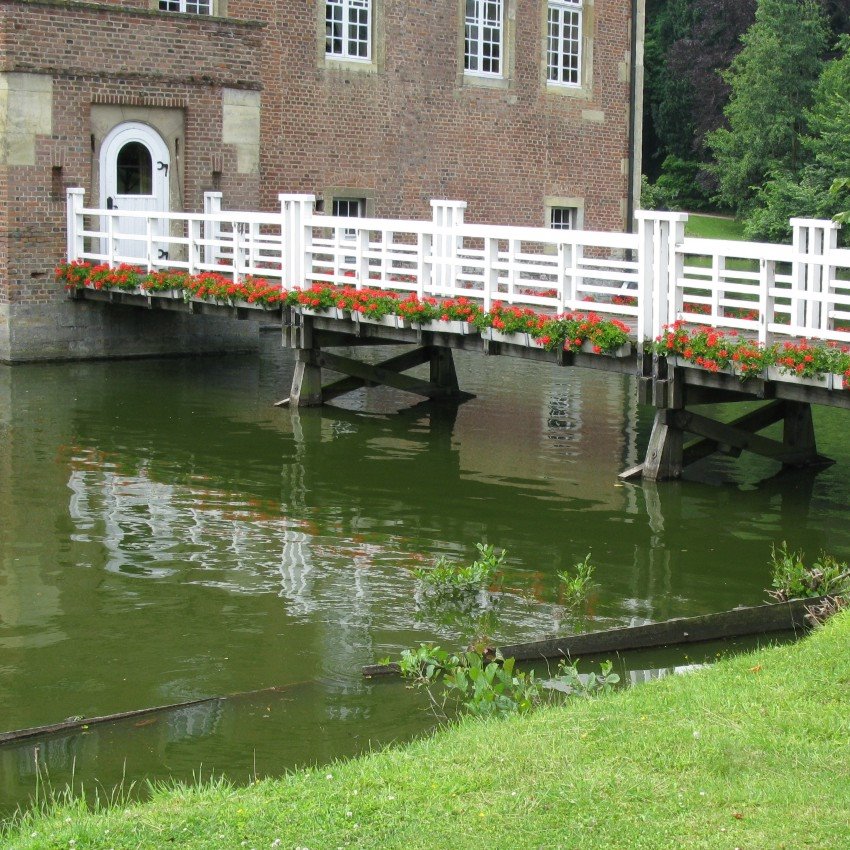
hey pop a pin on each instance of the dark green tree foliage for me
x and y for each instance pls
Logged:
(703, 55)
(669, 97)
(825, 150)
(772, 81)
(688, 44)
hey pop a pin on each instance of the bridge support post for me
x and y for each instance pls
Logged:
(667, 453)
(307, 380)
(664, 454)
(310, 341)
(442, 371)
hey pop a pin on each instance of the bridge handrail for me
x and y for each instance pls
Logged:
(654, 276)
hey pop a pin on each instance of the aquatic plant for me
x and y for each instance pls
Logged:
(448, 580)
(792, 579)
(575, 586)
(487, 685)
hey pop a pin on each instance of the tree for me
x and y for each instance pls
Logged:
(772, 80)
(703, 55)
(825, 150)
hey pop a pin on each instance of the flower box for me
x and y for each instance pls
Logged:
(326, 312)
(774, 373)
(589, 347)
(510, 339)
(451, 326)
(839, 382)
(388, 321)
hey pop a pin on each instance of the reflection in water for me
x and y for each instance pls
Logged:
(208, 543)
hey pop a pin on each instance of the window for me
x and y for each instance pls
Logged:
(563, 218)
(563, 42)
(134, 170)
(483, 37)
(189, 7)
(352, 208)
(348, 29)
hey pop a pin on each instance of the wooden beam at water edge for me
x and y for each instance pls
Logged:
(739, 622)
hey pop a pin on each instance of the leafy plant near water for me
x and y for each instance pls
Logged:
(576, 586)
(447, 580)
(493, 686)
(792, 579)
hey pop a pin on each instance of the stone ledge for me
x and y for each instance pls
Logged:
(110, 9)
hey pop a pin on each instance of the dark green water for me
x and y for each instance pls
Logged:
(166, 534)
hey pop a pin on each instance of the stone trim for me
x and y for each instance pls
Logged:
(508, 76)
(109, 99)
(333, 65)
(110, 9)
(588, 23)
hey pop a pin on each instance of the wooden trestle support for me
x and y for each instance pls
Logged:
(312, 335)
(674, 390)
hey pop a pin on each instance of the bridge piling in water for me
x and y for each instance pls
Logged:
(311, 343)
(675, 391)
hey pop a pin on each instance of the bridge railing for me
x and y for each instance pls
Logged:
(651, 278)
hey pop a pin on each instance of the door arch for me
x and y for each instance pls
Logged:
(134, 166)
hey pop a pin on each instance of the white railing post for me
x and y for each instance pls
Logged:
(424, 265)
(767, 301)
(212, 229)
(149, 246)
(296, 230)
(361, 273)
(491, 271)
(194, 255)
(660, 267)
(74, 224)
(812, 239)
(447, 217)
(110, 239)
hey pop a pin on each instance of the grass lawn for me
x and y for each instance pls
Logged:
(752, 753)
(714, 227)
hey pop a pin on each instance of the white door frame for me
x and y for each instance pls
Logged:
(157, 201)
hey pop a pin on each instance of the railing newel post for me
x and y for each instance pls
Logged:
(75, 225)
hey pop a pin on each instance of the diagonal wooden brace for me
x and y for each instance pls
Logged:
(737, 437)
(388, 373)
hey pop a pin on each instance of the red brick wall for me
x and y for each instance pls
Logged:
(96, 53)
(411, 133)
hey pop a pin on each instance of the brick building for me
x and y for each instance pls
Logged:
(524, 108)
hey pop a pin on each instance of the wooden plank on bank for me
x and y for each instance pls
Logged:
(739, 622)
(83, 723)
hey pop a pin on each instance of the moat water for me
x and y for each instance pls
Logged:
(166, 534)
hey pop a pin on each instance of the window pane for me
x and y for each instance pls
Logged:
(134, 170)
(563, 42)
(191, 7)
(562, 218)
(483, 36)
(348, 28)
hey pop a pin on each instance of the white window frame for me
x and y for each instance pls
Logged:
(479, 19)
(348, 13)
(563, 218)
(354, 208)
(187, 7)
(564, 37)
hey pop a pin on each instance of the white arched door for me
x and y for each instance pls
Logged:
(134, 166)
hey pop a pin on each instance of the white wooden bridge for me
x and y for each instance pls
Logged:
(649, 279)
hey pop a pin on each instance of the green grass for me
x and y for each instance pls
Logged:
(714, 227)
(751, 753)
